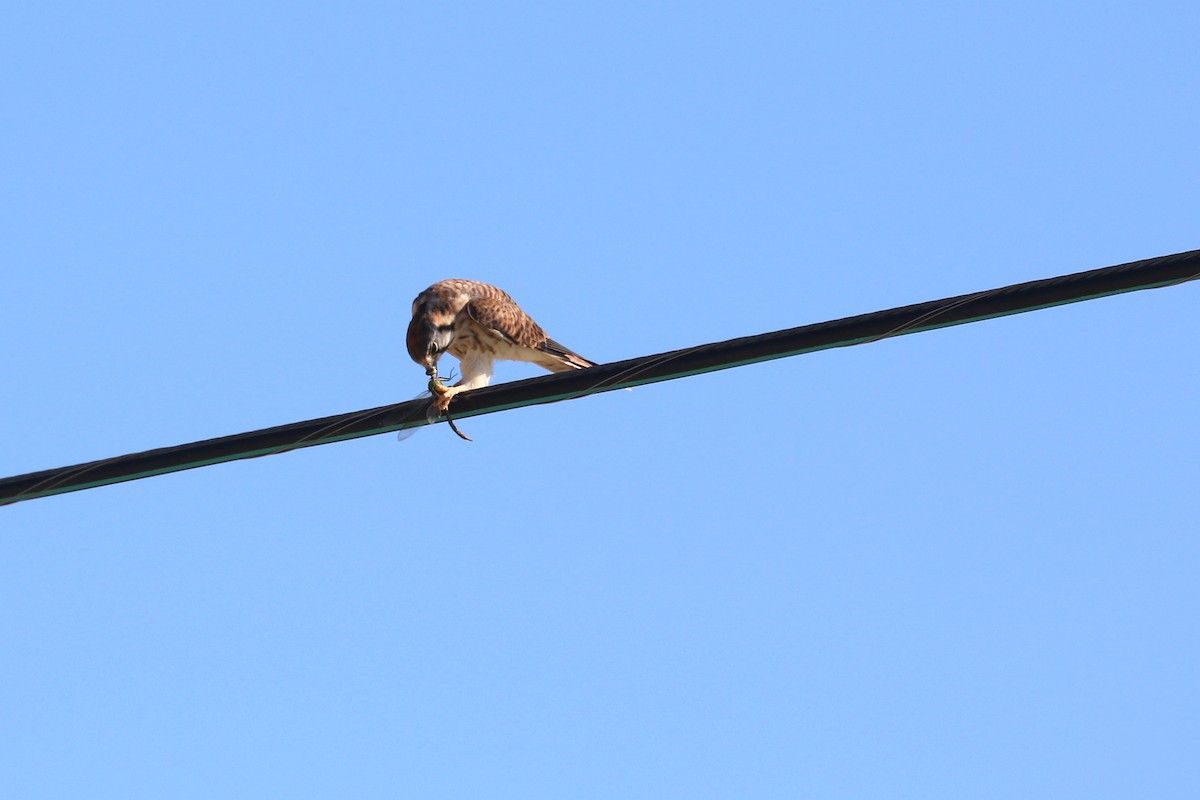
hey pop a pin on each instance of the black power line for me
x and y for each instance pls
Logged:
(1149, 274)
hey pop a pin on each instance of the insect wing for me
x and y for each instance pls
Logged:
(429, 414)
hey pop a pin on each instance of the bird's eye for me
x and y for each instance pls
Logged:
(433, 347)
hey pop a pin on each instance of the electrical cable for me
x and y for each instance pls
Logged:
(1147, 274)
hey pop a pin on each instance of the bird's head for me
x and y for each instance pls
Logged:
(430, 334)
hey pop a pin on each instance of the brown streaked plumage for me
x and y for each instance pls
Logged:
(479, 324)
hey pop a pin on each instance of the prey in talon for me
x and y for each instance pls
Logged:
(441, 393)
(478, 324)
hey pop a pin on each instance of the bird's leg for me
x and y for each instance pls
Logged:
(442, 394)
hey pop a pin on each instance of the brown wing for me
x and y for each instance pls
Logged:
(503, 317)
(555, 349)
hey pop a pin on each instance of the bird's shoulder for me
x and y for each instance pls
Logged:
(500, 315)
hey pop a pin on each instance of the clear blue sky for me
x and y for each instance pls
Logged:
(957, 564)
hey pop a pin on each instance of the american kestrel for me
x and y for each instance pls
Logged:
(478, 324)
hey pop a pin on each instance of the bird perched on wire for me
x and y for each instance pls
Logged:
(478, 324)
